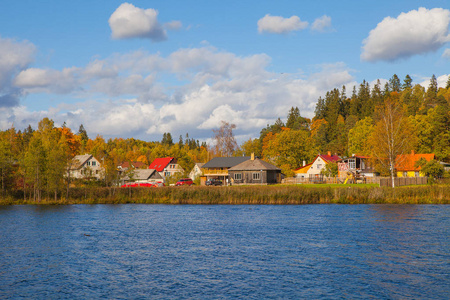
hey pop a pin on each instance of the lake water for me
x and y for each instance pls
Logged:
(221, 252)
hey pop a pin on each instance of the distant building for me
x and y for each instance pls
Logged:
(86, 166)
(217, 168)
(254, 171)
(143, 176)
(196, 171)
(319, 163)
(406, 165)
(166, 166)
(302, 171)
(358, 165)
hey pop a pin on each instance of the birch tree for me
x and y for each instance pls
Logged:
(392, 134)
(225, 142)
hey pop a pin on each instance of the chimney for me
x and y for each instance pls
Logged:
(329, 153)
(253, 156)
(304, 163)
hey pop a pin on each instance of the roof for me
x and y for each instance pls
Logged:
(355, 156)
(80, 160)
(407, 162)
(225, 162)
(160, 163)
(329, 158)
(199, 164)
(254, 165)
(134, 164)
(141, 174)
(303, 169)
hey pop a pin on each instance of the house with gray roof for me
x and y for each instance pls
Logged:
(217, 168)
(142, 176)
(254, 171)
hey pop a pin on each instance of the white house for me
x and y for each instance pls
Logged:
(86, 166)
(320, 162)
(196, 171)
(166, 166)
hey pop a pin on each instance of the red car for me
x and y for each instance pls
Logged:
(184, 181)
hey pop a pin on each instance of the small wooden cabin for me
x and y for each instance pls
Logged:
(254, 171)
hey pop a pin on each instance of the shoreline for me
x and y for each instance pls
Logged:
(247, 195)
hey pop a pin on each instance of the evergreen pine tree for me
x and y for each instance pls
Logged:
(407, 82)
(394, 84)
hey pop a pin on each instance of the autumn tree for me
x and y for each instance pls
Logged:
(330, 170)
(251, 146)
(358, 137)
(6, 159)
(288, 149)
(392, 134)
(432, 169)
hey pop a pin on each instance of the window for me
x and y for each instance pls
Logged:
(166, 173)
(256, 176)
(88, 163)
(352, 164)
(238, 176)
(94, 163)
(319, 166)
(416, 174)
(405, 174)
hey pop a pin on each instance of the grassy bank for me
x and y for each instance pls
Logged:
(277, 194)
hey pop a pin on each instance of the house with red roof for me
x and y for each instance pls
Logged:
(358, 165)
(303, 170)
(166, 166)
(406, 164)
(319, 163)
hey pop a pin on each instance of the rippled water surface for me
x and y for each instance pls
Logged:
(216, 252)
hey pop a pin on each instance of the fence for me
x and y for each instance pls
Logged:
(382, 181)
(401, 181)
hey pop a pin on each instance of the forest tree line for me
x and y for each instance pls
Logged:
(344, 124)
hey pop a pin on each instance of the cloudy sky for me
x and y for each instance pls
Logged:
(142, 68)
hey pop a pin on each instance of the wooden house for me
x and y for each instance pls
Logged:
(254, 171)
(217, 168)
(406, 164)
(359, 166)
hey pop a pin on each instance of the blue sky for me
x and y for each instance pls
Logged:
(142, 68)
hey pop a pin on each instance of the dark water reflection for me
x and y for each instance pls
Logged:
(216, 252)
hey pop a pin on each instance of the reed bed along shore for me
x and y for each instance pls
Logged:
(251, 195)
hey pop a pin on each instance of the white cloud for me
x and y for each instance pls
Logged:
(415, 32)
(207, 86)
(48, 81)
(446, 53)
(128, 21)
(321, 24)
(280, 25)
(14, 57)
